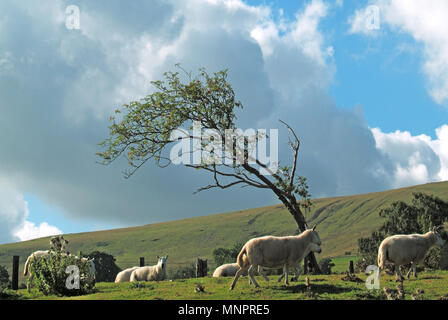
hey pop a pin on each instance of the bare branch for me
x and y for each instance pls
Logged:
(295, 147)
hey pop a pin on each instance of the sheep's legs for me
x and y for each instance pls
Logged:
(414, 268)
(397, 270)
(285, 272)
(28, 283)
(282, 276)
(251, 275)
(297, 272)
(261, 271)
(237, 275)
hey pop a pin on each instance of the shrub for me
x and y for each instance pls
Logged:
(105, 268)
(325, 265)
(50, 277)
(4, 278)
(432, 259)
(223, 255)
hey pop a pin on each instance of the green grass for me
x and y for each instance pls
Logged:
(341, 221)
(342, 263)
(327, 287)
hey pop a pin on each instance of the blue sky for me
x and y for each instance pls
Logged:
(371, 106)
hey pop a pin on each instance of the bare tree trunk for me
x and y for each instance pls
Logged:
(310, 262)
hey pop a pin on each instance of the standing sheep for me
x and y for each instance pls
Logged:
(151, 273)
(403, 249)
(276, 252)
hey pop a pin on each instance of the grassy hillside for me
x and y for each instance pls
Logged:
(342, 220)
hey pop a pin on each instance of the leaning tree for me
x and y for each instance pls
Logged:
(150, 129)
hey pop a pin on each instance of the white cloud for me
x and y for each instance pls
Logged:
(30, 231)
(416, 159)
(427, 23)
(302, 33)
(13, 214)
(279, 68)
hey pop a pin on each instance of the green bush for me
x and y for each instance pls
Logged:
(325, 265)
(105, 267)
(224, 255)
(432, 259)
(4, 278)
(50, 277)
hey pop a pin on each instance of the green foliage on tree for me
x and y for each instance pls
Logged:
(225, 255)
(50, 277)
(105, 268)
(420, 216)
(142, 131)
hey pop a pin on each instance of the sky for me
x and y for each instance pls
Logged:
(363, 83)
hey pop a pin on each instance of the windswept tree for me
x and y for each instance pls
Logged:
(154, 129)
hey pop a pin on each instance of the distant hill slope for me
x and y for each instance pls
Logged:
(342, 220)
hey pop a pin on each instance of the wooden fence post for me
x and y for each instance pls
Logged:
(351, 269)
(142, 261)
(201, 268)
(15, 273)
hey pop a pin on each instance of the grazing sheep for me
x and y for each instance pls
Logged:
(151, 273)
(276, 252)
(125, 275)
(403, 249)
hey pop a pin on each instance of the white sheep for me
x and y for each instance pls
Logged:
(227, 270)
(276, 252)
(230, 269)
(125, 275)
(151, 273)
(403, 249)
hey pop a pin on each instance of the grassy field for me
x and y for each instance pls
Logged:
(434, 286)
(342, 220)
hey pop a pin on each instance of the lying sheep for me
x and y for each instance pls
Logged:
(125, 275)
(150, 273)
(226, 270)
(403, 249)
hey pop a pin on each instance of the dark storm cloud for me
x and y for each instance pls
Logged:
(61, 86)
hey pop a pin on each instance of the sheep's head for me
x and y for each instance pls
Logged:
(316, 238)
(92, 269)
(162, 261)
(439, 241)
(315, 247)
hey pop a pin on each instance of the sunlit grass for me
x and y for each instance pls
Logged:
(326, 287)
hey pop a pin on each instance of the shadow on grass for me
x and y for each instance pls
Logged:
(427, 278)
